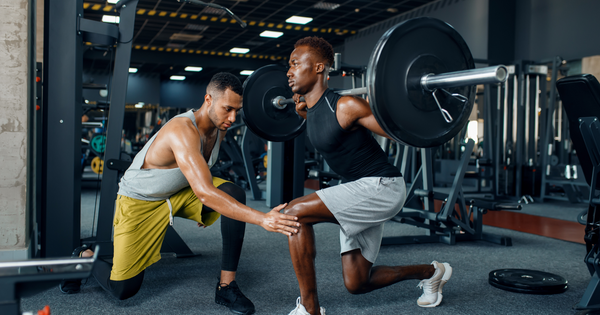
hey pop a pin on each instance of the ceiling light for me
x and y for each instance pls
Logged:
(326, 5)
(271, 34)
(177, 77)
(246, 72)
(139, 105)
(193, 69)
(186, 37)
(112, 1)
(110, 19)
(133, 70)
(299, 20)
(236, 50)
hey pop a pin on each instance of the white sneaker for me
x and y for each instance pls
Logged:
(432, 287)
(301, 310)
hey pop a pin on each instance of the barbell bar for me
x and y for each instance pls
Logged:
(431, 82)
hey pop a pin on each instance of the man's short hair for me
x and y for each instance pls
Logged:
(321, 47)
(223, 81)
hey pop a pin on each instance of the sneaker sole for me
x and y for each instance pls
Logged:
(220, 301)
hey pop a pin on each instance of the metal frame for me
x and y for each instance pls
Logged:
(446, 225)
(61, 151)
(285, 170)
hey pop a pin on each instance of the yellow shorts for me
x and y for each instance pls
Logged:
(140, 227)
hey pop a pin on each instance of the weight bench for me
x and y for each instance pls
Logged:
(580, 95)
(449, 224)
(29, 277)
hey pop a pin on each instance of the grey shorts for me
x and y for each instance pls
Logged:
(362, 207)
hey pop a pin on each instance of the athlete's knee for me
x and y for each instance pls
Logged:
(297, 209)
(355, 285)
(125, 289)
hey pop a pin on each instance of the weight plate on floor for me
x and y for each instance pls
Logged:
(404, 54)
(527, 281)
(259, 113)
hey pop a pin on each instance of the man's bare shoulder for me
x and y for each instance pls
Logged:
(354, 106)
(180, 125)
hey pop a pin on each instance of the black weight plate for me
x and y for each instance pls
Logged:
(527, 281)
(259, 113)
(402, 56)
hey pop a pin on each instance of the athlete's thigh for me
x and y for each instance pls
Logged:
(310, 209)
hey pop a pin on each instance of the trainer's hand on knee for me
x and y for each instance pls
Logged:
(274, 221)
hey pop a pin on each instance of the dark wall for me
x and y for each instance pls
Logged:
(549, 28)
(468, 17)
(143, 89)
(139, 88)
(181, 94)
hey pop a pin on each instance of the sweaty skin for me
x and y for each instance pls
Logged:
(178, 145)
(307, 76)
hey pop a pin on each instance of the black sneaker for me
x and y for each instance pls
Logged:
(73, 286)
(232, 297)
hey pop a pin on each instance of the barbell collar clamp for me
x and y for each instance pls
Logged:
(488, 75)
(282, 102)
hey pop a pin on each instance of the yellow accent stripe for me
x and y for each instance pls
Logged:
(207, 52)
(107, 8)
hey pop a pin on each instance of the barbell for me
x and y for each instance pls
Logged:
(420, 80)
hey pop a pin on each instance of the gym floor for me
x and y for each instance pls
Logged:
(266, 276)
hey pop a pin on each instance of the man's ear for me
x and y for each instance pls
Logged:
(208, 99)
(320, 67)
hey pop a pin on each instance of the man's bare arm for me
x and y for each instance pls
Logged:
(184, 141)
(353, 111)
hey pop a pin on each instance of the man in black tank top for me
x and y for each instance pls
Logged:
(340, 128)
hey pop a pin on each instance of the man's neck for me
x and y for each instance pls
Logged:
(315, 94)
(205, 125)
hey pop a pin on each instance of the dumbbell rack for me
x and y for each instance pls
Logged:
(449, 224)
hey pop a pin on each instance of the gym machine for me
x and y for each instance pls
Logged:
(561, 172)
(580, 95)
(20, 279)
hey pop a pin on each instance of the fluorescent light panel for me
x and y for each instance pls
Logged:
(177, 77)
(271, 34)
(110, 19)
(193, 69)
(133, 70)
(246, 72)
(140, 105)
(299, 20)
(112, 1)
(237, 50)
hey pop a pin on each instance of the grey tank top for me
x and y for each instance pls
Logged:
(158, 184)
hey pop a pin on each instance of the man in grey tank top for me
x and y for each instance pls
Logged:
(170, 177)
(340, 128)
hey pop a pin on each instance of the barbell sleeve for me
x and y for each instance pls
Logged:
(488, 75)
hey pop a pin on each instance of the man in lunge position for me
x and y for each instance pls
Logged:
(170, 177)
(340, 127)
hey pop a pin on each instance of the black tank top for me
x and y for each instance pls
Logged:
(350, 154)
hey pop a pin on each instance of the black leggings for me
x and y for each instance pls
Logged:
(232, 232)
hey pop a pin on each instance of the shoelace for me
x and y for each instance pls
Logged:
(428, 286)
